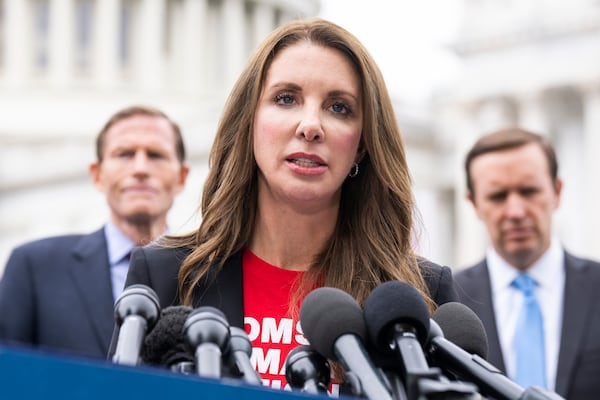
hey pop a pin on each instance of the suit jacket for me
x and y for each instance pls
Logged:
(56, 294)
(578, 372)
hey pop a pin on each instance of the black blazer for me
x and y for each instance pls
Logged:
(578, 372)
(158, 268)
(56, 294)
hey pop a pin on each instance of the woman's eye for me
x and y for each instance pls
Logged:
(284, 98)
(340, 108)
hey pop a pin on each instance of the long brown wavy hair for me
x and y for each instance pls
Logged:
(372, 239)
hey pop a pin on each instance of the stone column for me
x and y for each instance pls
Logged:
(105, 58)
(18, 41)
(233, 29)
(263, 22)
(194, 52)
(532, 113)
(62, 42)
(494, 114)
(148, 44)
(470, 237)
(591, 127)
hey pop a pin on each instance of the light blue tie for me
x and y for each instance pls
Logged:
(529, 337)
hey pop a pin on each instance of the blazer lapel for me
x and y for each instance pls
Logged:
(91, 275)
(225, 291)
(579, 288)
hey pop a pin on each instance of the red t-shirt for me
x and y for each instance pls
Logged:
(267, 320)
(268, 323)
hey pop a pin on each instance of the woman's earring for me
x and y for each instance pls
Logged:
(353, 171)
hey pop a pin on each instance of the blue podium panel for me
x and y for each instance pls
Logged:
(26, 375)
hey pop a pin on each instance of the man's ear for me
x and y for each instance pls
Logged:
(469, 196)
(183, 174)
(558, 185)
(94, 170)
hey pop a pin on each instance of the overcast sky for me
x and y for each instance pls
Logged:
(407, 38)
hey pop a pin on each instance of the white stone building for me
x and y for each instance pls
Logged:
(67, 65)
(533, 63)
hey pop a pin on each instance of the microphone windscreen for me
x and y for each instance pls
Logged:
(391, 303)
(139, 300)
(165, 344)
(328, 313)
(305, 365)
(462, 327)
(239, 341)
(207, 324)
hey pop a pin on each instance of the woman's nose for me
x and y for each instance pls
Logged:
(310, 127)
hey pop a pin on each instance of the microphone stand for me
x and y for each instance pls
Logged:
(424, 382)
(397, 387)
(432, 384)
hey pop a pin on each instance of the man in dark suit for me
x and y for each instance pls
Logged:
(513, 184)
(58, 293)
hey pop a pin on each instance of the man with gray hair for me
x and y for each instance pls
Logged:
(58, 293)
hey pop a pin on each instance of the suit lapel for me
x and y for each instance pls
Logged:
(578, 290)
(480, 301)
(91, 275)
(488, 318)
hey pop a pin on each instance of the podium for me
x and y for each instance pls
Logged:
(28, 375)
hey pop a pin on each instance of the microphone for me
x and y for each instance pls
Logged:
(206, 331)
(307, 370)
(239, 352)
(461, 323)
(136, 312)
(455, 319)
(397, 319)
(471, 367)
(165, 345)
(333, 323)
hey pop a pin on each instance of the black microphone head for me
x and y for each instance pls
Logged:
(462, 327)
(137, 300)
(239, 341)
(304, 364)
(393, 303)
(165, 345)
(207, 324)
(238, 355)
(328, 313)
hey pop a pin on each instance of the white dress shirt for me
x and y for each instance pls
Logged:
(549, 273)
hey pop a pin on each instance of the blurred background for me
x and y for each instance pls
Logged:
(455, 69)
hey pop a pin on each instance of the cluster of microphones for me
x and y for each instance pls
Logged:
(389, 350)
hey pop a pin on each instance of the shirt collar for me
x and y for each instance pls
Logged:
(119, 245)
(544, 270)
